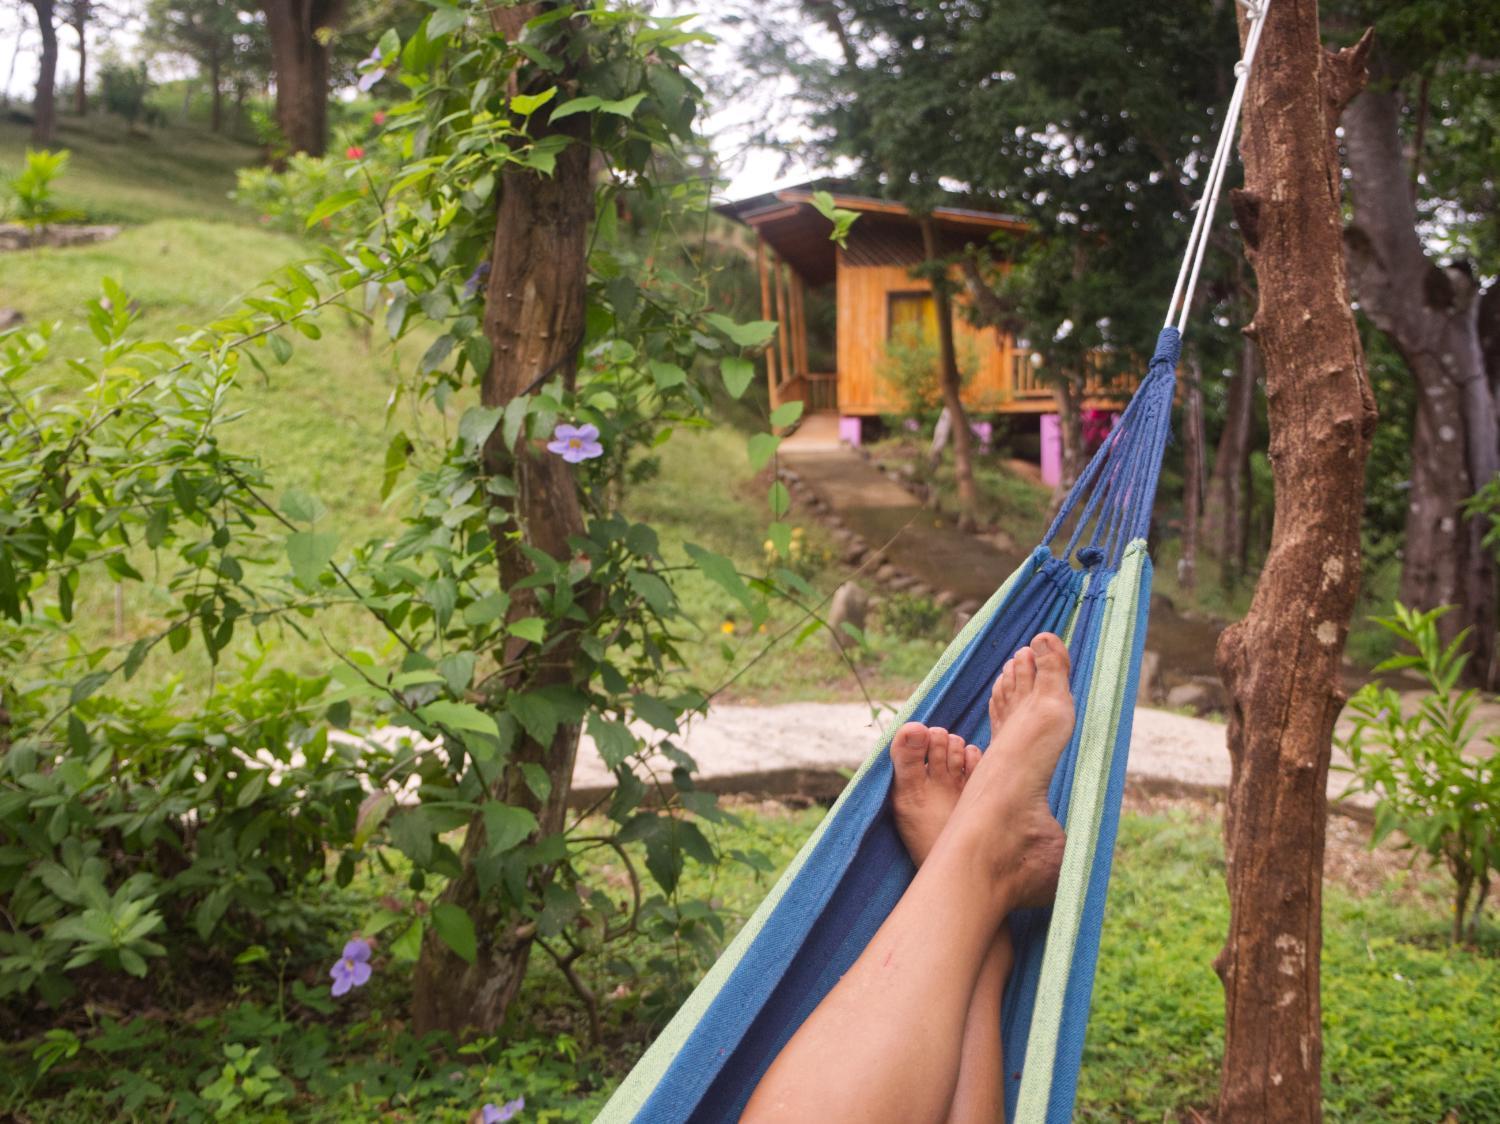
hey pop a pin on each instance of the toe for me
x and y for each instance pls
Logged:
(909, 752)
(972, 755)
(1025, 672)
(937, 753)
(955, 760)
(1051, 662)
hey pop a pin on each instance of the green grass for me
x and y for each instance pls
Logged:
(119, 176)
(1409, 1027)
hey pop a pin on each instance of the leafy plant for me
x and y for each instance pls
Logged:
(910, 617)
(1431, 782)
(243, 1082)
(126, 88)
(31, 190)
(910, 363)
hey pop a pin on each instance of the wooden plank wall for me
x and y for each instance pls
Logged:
(863, 325)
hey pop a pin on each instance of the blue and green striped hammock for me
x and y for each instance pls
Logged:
(851, 872)
(1094, 590)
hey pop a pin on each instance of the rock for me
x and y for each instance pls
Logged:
(1201, 696)
(886, 574)
(1145, 690)
(944, 598)
(902, 583)
(1000, 540)
(854, 551)
(968, 608)
(9, 318)
(850, 604)
(921, 589)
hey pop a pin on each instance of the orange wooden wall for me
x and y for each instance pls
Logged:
(864, 326)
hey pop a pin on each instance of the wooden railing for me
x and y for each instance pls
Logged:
(822, 392)
(1027, 382)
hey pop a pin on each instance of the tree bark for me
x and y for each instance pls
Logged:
(79, 23)
(1281, 663)
(1226, 507)
(216, 95)
(534, 320)
(44, 105)
(963, 438)
(300, 62)
(1431, 315)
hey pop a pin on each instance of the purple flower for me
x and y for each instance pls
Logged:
(372, 70)
(575, 443)
(353, 968)
(471, 286)
(911, 425)
(502, 1113)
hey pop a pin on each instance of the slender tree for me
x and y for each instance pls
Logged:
(212, 34)
(1281, 663)
(44, 104)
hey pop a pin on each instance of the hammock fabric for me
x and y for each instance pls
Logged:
(852, 871)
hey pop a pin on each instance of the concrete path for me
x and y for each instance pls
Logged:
(805, 747)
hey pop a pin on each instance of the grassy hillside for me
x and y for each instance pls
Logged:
(319, 422)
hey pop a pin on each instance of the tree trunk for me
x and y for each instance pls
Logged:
(300, 62)
(963, 437)
(81, 91)
(44, 105)
(1226, 514)
(1281, 663)
(540, 250)
(216, 95)
(1431, 315)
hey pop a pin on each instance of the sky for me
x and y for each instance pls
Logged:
(750, 170)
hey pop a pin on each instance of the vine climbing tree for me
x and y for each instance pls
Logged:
(1281, 663)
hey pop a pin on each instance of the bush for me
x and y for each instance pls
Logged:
(1429, 786)
(911, 618)
(910, 364)
(125, 88)
(31, 190)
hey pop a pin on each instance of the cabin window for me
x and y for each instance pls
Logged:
(912, 315)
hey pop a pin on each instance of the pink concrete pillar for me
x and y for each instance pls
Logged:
(852, 430)
(1051, 450)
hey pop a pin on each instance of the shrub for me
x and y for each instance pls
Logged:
(125, 88)
(31, 190)
(1428, 784)
(910, 363)
(909, 617)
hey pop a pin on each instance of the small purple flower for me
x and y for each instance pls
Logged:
(353, 968)
(372, 70)
(575, 443)
(911, 425)
(471, 286)
(498, 1115)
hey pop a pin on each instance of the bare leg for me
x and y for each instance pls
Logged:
(885, 1044)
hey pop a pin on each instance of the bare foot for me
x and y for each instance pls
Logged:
(1002, 812)
(931, 766)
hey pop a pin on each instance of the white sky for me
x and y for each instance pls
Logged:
(750, 171)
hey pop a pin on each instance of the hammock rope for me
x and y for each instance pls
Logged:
(811, 927)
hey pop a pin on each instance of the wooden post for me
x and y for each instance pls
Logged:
(1281, 663)
(761, 253)
(799, 323)
(784, 330)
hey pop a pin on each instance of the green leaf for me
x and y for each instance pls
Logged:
(779, 499)
(667, 375)
(721, 571)
(533, 629)
(478, 422)
(762, 447)
(456, 929)
(652, 590)
(396, 456)
(445, 20)
(527, 104)
(505, 826)
(625, 107)
(786, 414)
(536, 715)
(411, 832)
(459, 716)
(755, 333)
(576, 105)
(613, 740)
(435, 355)
(737, 373)
(310, 553)
(408, 946)
(332, 205)
(372, 813)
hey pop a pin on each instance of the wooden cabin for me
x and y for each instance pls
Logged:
(875, 296)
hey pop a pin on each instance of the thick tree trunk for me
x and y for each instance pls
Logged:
(1226, 507)
(300, 61)
(963, 438)
(1067, 391)
(1431, 315)
(1281, 663)
(44, 105)
(534, 320)
(81, 91)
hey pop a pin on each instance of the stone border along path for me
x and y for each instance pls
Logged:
(807, 750)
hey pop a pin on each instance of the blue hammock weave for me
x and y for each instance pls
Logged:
(1094, 592)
